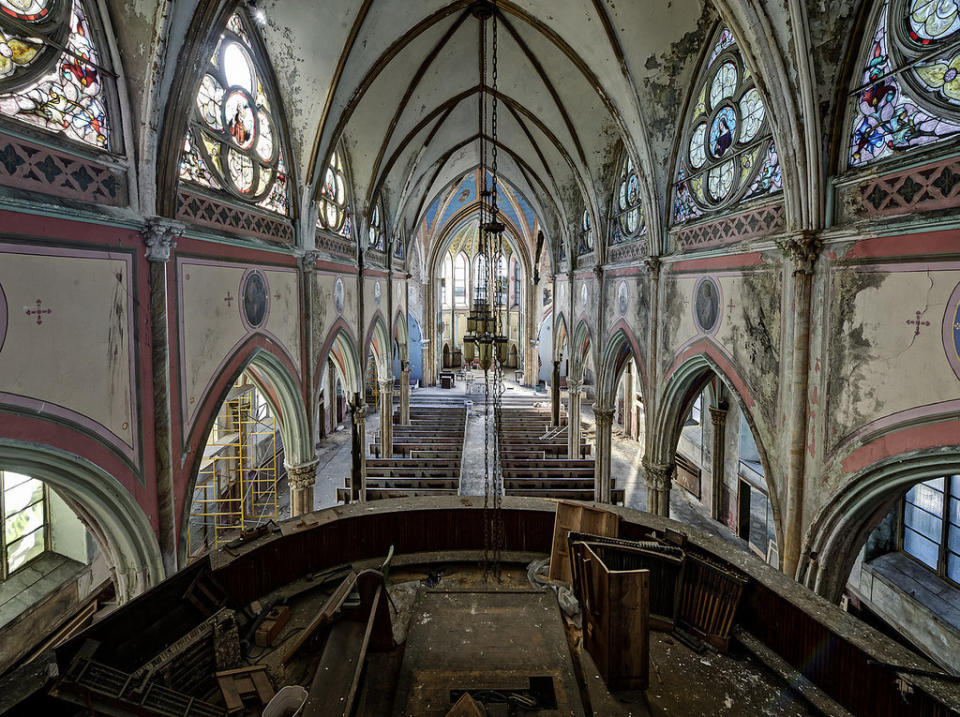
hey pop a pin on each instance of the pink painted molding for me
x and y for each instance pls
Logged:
(752, 224)
(33, 167)
(208, 212)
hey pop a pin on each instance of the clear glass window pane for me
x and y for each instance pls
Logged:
(953, 566)
(758, 520)
(26, 521)
(20, 495)
(927, 524)
(928, 495)
(919, 547)
(24, 550)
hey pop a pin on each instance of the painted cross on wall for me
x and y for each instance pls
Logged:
(38, 312)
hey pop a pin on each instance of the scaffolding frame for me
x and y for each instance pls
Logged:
(236, 487)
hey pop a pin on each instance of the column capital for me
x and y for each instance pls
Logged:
(659, 475)
(307, 259)
(598, 272)
(718, 415)
(653, 264)
(405, 367)
(159, 235)
(603, 415)
(303, 475)
(386, 384)
(803, 249)
(574, 385)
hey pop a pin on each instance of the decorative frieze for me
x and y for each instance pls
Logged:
(208, 212)
(629, 252)
(25, 165)
(926, 188)
(335, 245)
(758, 222)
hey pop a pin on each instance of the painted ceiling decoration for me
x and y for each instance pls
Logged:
(727, 154)
(234, 143)
(909, 92)
(51, 73)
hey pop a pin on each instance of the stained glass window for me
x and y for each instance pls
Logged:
(628, 220)
(728, 154)
(909, 92)
(586, 234)
(51, 75)
(233, 141)
(334, 205)
(376, 237)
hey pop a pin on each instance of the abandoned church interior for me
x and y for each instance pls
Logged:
(480, 357)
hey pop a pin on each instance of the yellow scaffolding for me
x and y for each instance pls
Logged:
(236, 486)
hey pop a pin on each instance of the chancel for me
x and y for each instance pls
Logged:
(479, 357)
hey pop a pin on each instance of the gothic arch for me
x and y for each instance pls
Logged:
(377, 342)
(560, 338)
(841, 527)
(119, 523)
(583, 346)
(681, 386)
(400, 332)
(341, 347)
(277, 376)
(620, 346)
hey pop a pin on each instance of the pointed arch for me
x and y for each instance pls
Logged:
(618, 348)
(340, 346)
(120, 524)
(400, 333)
(628, 221)
(336, 202)
(683, 382)
(583, 346)
(227, 135)
(726, 153)
(560, 338)
(378, 343)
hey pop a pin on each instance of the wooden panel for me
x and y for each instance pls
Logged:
(580, 519)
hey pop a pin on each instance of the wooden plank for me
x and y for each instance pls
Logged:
(329, 609)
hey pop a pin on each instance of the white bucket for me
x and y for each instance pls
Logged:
(288, 702)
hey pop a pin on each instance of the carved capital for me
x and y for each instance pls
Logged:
(301, 476)
(659, 475)
(386, 385)
(603, 416)
(598, 272)
(803, 250)
(307, 259)
(653, 265)
(718, 416)
(574, 386)
(405, 367)
(159, 236)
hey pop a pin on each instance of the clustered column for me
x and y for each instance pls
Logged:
(358, 439)
(573, 418)
(301, 480)
(718, 416)
(555, 393)
(405, 393)
(603, 416)
(386, 418)
(659, 477)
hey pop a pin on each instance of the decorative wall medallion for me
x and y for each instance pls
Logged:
(3, 317)
(706, 304)
(583, 297)
(338, 295)
(951, 330)
(622, 298)
(254, 299)
(376, 293)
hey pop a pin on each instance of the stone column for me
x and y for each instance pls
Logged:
(628, 401)
(159, 237)
(604, 428)
(301, 480)
(405, 393)
(573, 418)
(358, 439)
(530, 368)
(659, 477)
(555, 394)
(718, 416)
(386, 418)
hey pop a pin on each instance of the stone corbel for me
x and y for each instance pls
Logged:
(653, 264)
(159, 235)
(803, 249)
(307, 259)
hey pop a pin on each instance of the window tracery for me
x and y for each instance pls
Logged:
(628, 219)
(335, 213)
(728, 154)
(586, 234)
(909, 90)
(51, 75)
(233, 141)
(376, 237)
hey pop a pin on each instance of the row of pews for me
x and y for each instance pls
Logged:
(535, 462)
(427, 455)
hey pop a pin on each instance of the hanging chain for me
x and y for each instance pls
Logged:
(498, 528)
(481, 279)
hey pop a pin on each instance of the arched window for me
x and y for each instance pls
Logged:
(51, 75)
(233, 143)
(517, 283)
(908, 94)
(447, 284)
(586, 234)
(24, 515)
(480, 276)
(460, 280)
(502, 281)
(628, 219)
(334, 208)
(727, 152)
(375, 234)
